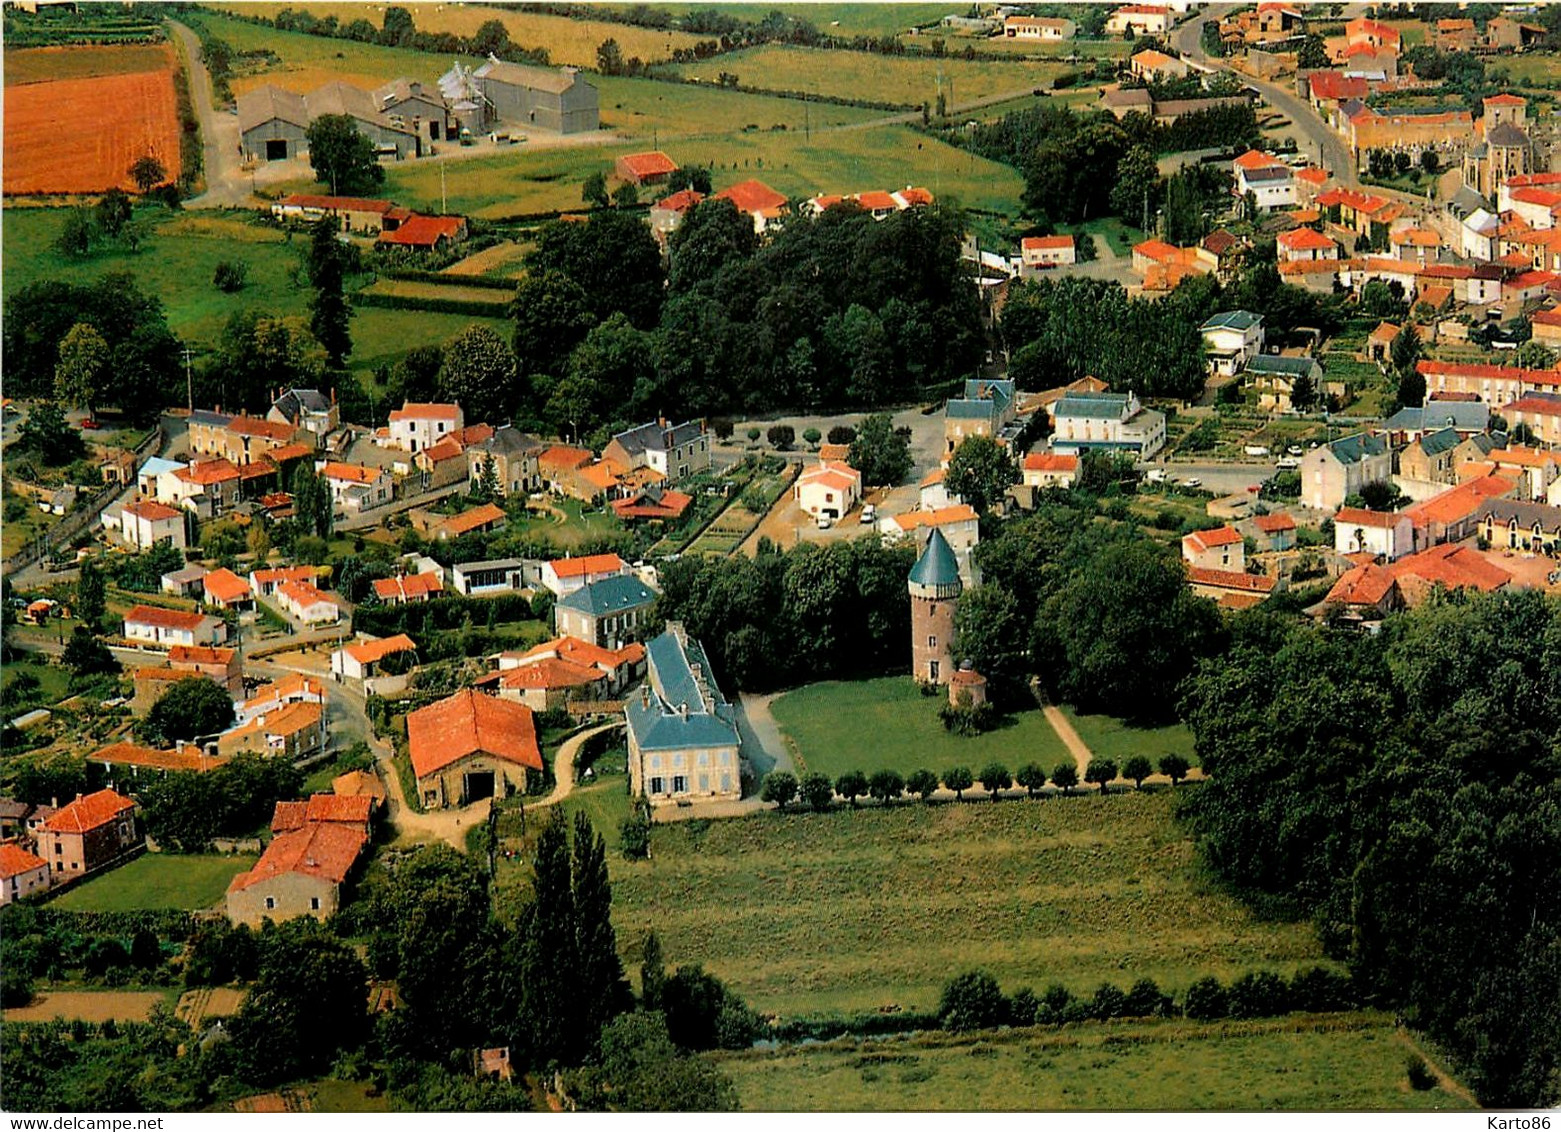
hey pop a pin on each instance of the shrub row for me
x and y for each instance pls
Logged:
(418, 275)
(973, 1000)
(441, 614)
(816, 791)
(467, 307)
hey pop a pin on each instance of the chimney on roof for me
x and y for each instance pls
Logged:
(683, 710)
(645, 694)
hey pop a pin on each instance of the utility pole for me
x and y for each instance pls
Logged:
(444, 208)
(189, 387)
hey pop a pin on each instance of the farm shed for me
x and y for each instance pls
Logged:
(540, 97)
(272, 124)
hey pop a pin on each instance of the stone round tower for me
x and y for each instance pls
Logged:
(935, 588)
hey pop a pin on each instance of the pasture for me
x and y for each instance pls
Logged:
(857, 910)
(843, 20)
(567, 41)
(176, 263)
(905, 79)
(118, 118)
(156, 880)
(1303, 1063)
(870, 725)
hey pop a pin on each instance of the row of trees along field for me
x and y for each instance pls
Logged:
(551, 987)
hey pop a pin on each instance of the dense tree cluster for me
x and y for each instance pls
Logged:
(141, 355)
(1403, 789)
(836, 311)
(814, 612)
(1059, 330)
(184, 811)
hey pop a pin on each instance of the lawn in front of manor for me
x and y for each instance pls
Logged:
(157, 880)
(1111, 738)
(887, 723)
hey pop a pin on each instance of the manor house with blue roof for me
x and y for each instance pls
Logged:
(683, 740)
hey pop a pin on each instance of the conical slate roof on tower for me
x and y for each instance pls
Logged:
(936, 573)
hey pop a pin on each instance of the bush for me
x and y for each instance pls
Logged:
(968, 719)
(1023, 1007)
(817, 791)
(1258, 994)
(780, 787)
(995, 777)
(851, 785)
(1057, 1006)
(1109, 1002)
(841, 434)
(1206, 1000)
(1318, 990)
(230, 276)
(1145, 1000)
(972, 1001)
(634, 834)
(922, 783)
(781, 436)
(1421, 1078)
(1174, 767)
(959, 779)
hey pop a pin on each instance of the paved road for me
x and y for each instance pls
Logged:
(1188, 40)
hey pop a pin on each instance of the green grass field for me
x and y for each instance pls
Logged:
(53, 681)
(1352, 1062)
(910, 80)
(855, 910)
(844, 20)
(156, 880)
(1109, 738)
(869, 725)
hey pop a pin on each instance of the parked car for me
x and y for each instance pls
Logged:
(825, 522)
(1192, 481)
(869, 514)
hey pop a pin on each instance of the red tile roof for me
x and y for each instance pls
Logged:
(1360, 517)
(163, 618)
(549, 672)
(89, 812)
(351, 808)
(467, 723)
(1304, 240)
(584, 652)
(425, 231)
(474, 519)
(564, 458)
(680, 201)
(325, 850)
(1332, 86)
(409, 586)
(1366, 584)
(279, 574)
(357, 473)
(670, 505)
(302, 593)
(14, 861)
(205, 472)
(1219, 536)
(1050, 462)
(289, 816)
(1230, 579)
(224, 586)
(259, 426)
(1045, 243)
(425, 411)
(1273, 524)
(1255, 159)
(1536, 405)
(337, 204)
(958, 513)
(1504, 99)
(367, 652)
(151, 511)
(876, 200)
(753, 196)
(199, 654)
(1451, 565)
(587, 564)
(653, 164)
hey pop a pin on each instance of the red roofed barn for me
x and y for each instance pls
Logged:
(469, 746)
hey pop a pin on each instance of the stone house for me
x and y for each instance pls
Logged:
(1332, 472)
(470, 746)
(92, 832)
(611, 612)
(683, 738)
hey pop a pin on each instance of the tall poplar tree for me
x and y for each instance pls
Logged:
(603, 992)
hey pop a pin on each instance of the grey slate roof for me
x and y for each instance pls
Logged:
(207, 417)
(1281, 366)
(1507, 136)
(610, 595)
(1092, 406)
(937, 568)
(1267, 173)
(1528, 515)
(296, 402)
(1435, 443)
(1465, 416)
(655, 438)
(1354, 449)
(489, 564)
(660, 724)
(508, 440)
(1232, 320)
(518, 74)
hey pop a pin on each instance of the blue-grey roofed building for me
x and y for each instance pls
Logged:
(1411, 422)
(1110, 422)
(1274, 378)
(1230, 338)
(683, 739)
(987, 407)
(609, 613)
(1330, 473)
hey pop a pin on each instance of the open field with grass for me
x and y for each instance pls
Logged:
(855, 910)
(869, 725)
(176, 263)
(911, 80)
(90, 1006)
(53, 681)
(1087, 50)
(844, 20)
(1109, 738)
(1532, 68)
(43, 64)
(567, 522)
(566, 40)
(156, 880)
(1352, 1062)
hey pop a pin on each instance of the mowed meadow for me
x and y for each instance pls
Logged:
(1335, 1062)
(808, 914)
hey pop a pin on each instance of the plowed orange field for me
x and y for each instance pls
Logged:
(82, 135)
